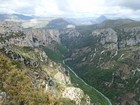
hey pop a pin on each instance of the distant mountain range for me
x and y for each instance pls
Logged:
(15, 16)
(58, 23)
(87, 20)
(76, 21)
(113, 23)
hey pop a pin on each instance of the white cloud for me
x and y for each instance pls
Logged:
(124, 8)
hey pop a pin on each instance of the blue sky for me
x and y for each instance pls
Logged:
(73, 8)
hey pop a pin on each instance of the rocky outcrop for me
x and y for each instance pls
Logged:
(70, 33)
(13, 33)
(114, 39)
(129, 37)
(70, 37)
(75, 94)
(17, 57)
(44, 37)
(107, 38)
(2, 98)
(106, 35)
(9, 26)
(62, 76)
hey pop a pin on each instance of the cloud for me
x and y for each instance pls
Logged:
(13, 6)
(131, 4)
(120, 8)
(63, 5)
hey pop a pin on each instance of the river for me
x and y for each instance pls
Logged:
(88, 84)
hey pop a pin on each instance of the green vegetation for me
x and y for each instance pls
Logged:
(55, 56)
(85, 30)
(26, 52)
(94, 95)
(62, 49)
(18, 86)
(97, 75)
(132, 24)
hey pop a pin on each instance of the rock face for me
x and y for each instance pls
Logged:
(2, 98)
(107, 37)
(17, 57)
(129, 37)
(121, 38)
(45, 37)
(75, 94)
(70, 36)
(62, 76)
(9, 26)
(13, 33)
(70, 33)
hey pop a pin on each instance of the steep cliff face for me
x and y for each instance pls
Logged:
(44, 37)
(107, 38)
(109, 60)
(8, 26)
(71, 37)
(13, 33)
(128, 36)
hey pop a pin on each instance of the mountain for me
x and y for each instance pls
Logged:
(81, 21)
(87, 20)
(15, 16)
(57, 23)
(101, 19)
(114, 23)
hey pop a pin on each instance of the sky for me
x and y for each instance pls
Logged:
(73, 8)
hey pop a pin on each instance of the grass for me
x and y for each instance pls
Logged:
(26, 52)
